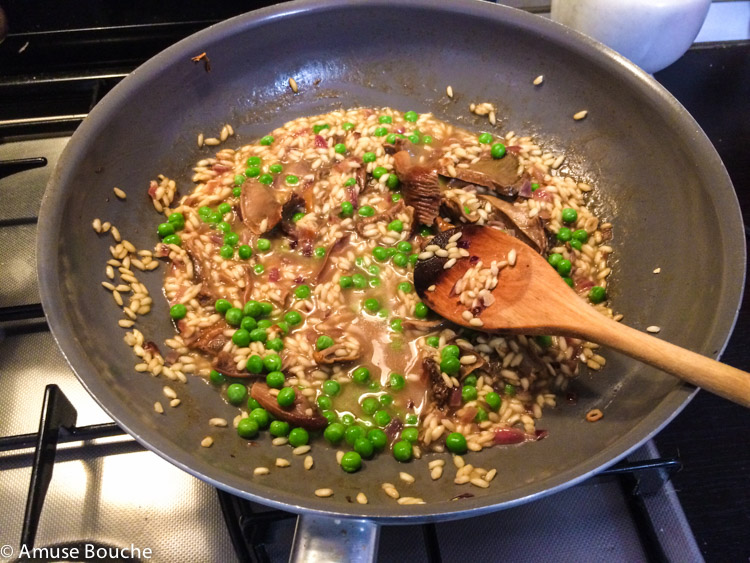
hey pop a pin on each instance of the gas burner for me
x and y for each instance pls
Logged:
(8, 167)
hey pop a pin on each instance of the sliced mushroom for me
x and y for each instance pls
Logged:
(224, 363)
(419, 186)
(387, 215)
(517, 221)
(330, 355)
(497, 174)
(439, 391)
(301, 413)
(422, 326)
(261, 211)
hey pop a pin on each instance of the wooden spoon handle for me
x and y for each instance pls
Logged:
(713, 376)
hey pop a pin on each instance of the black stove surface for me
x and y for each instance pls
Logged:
(61, 57)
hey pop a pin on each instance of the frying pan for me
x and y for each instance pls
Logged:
(660, 182)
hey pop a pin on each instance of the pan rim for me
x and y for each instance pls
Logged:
(50, 224)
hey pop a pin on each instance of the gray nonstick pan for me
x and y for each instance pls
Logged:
(659, 181)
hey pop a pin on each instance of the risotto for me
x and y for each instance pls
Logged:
(290, 282)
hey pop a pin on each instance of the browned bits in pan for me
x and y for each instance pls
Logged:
(202, 57)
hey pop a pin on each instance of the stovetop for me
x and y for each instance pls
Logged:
(112, 492)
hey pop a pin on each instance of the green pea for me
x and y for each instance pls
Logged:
(177, 219)
(402, 451)
(261, 416)
(363, 447)
(564, 234)
(330, 416)
(396, 225)
(569, 215)
(265, 324)
(347, 420)
(252, 404)
(421, 310)
(470, 380)
(233, 316)
(231, 239)
(324, 402)
(406, 287)
(302, 291)
(252, 171)
(247, 428)
(286, 397)
(255, 364)
(469, 393)
(385, 119)
(382, 418)
(291, 179)
(351, 462)
(569, 281)
(534, 186)
(581, 235)
(334, 433)
(267, 140)
(347, 126)
(410, 434)
(577, 244)
(222, 306)
(377, 438)
(214, 217)
(597, 294)
(165, 229)
(366, 211)
(236, 192)
(245, 251)
(372, 305)
(414, 138)
(331, 387)
(378, 172)
(380, 132)
(497, 150)
(339, 148)
(395, 198)
(226, 252)
(564, 267)
(391, 138)
(272, 362)
(554, 260)
(425, 231)
(275, 168)
(370, 405)
(433, 341)
(263, 244)
(173, 239)
(396, 381)
(178, 311)
(368, 157)
(347, 209)
(361, 375)
(266, 179)
(456, 443)
(204, 212)
(510, 389)
(385, 400)
(396, 325)
(217, 378)
(544, 341)
(298, 437)
(345, 282)
(297, 216)
(253, 161)
(427, 139)
(258, 335)
(481, 415)
(359, 281)
(374, 269)
(279, 428)
(293, 318)
(352, 433)
(450, 365)
(411, 116)
(275, 344)
(241, 338)
(412, 419)
(493, 400)
(238, 179)
(275, 379)
(252, 309)
(392, 182)
(318, 128)
(450, 351)
(283, 328)
(324, 341)
(236, 393)
(319, 252)
(485, 138)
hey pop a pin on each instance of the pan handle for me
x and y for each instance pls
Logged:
(320, 539)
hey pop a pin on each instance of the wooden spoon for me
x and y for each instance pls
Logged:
(531, 298)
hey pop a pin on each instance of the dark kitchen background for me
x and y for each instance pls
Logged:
(682, 497)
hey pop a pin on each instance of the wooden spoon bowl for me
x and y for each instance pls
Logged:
(531, 298)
